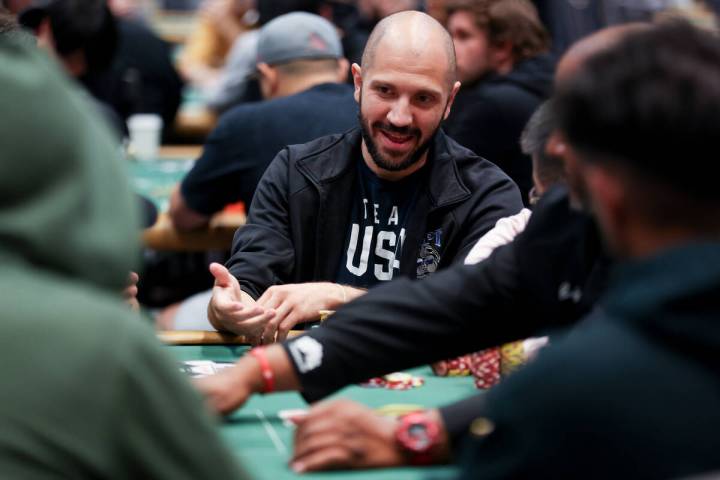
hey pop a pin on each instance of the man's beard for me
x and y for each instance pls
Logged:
(384, 162)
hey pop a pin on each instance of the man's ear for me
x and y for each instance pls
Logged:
(451, 99)
(268, 80)
(357, 80)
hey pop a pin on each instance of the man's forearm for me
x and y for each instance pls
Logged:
(284, 376)
(182, 216)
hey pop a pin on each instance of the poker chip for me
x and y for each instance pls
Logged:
(375, 382)
(455, 367)
(485, 366)
(459, 367)
(512, 357)
(395, 381)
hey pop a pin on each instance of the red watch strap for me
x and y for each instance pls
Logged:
(265, 370)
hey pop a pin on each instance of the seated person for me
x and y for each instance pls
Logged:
(547, 172)
(219, 24)
(394, 197)
(302, 70)
(87, 391)
(604, 389)
(234, 83)
(82, 36)
(506, 73)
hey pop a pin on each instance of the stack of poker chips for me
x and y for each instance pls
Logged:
(485, 366)
(456, 367)
(395, 381)
(489, 365)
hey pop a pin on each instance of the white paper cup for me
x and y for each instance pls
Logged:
(145, 130)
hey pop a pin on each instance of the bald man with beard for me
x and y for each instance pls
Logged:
(344, 213)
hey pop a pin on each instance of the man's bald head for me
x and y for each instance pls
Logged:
(416, 31)
(587, 47)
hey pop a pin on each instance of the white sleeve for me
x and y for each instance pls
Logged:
(504, 231)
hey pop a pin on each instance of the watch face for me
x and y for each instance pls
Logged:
(419, 437)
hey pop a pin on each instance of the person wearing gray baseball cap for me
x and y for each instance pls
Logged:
(294, 45)
(296, 36)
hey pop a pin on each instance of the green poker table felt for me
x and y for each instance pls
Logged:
(263, 443)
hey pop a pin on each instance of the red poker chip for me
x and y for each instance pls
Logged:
(485, 366)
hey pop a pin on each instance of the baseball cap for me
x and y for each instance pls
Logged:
(298, 36)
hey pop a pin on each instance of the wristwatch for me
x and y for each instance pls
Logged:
(417, 435)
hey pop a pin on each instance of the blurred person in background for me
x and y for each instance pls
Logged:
(505, 73)
(205, 53)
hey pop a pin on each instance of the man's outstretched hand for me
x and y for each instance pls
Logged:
(230, 309)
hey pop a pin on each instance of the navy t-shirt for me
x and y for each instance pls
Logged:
(376, 234)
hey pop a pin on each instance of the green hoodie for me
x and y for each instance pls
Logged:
(87, 392)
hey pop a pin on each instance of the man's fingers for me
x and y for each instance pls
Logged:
(313, 425)
(222, 275)
(284, 328)
(253, 325)
(331, 458)
(268, 334)
(133, 278)
(315, 443)
(224, 302)
(130, 292)
(266, 298)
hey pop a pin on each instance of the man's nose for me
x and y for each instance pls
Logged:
(400, 115)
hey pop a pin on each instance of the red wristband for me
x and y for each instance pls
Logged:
(267, 373)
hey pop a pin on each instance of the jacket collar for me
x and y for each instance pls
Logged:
(334, 160)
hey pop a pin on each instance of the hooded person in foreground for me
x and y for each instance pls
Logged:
(87, 391)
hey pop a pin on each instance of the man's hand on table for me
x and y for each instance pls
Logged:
(301, 302)
(231, 309)
(231, 387)
(344, 434)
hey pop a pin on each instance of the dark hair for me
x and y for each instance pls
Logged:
(514, 21)
(86, 25)
(650, 108)
(547, 168)
(652, 102)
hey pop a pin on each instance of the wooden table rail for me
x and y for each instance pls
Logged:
(206, 337)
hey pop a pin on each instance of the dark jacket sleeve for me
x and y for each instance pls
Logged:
(226, 172)
(262, 251)
(406, 323)
(513, 294)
